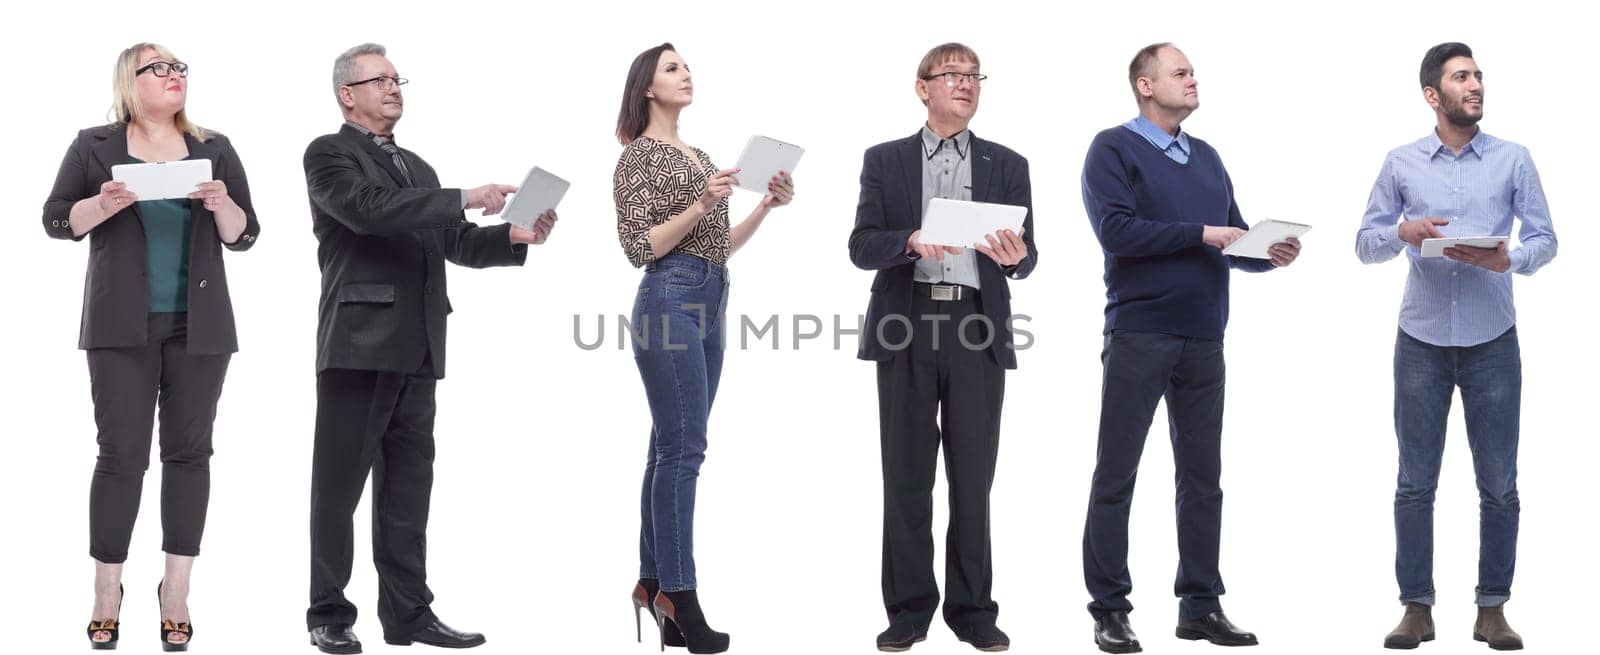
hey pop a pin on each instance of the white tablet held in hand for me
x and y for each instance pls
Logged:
(1435, 247)
(160, 181)
(963, 223)
(1263, 236)
(540, 192)
(762, 159)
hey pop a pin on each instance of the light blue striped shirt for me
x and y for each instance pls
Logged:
(1176, 148)
(1451, 303)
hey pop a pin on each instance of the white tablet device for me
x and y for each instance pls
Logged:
(1263, 236)
(170, 179)
(763, 157)
(963, 224)
(540, 192)
(1435, 247)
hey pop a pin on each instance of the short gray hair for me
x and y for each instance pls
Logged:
(345, 66)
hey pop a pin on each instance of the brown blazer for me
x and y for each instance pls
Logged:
(115, 291)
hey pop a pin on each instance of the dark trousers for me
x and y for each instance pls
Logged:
(129, 385)
(383, 423)
(938, 392)
(1140, 368)
(1490, 378)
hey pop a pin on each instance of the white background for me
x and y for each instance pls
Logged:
(541, 444)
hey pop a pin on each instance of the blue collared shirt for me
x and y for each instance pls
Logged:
(1176, 148)
(1446, 302)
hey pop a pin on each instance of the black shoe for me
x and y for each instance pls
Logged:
(643, 591)
(985, 637)
(439, 634)
(108, 626)
(170, 629)
(1217, 629)
(1113, 634)
(681, 609)
(900, 636)
(335, 638)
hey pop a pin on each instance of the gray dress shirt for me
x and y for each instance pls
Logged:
(947, 173)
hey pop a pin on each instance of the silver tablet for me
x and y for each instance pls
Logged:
(762, 159)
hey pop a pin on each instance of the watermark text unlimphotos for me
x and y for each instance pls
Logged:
(893, 331)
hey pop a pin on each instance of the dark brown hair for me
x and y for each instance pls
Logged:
(1144, 65)
(1433, 63)
(634, 116)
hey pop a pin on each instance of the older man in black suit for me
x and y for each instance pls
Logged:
(384, 230)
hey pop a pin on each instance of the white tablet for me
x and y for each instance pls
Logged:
(159, 181)
(1263, 236)
(963, 224)
(1435, 247)
(763, 157)
(540, 192)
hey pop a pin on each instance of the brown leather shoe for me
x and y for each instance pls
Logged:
(1492, 627)
(1415, 627)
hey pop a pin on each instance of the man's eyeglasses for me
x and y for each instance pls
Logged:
(952, 79)
(383, 82)
(163, 69)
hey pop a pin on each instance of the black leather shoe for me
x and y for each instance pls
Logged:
(336, 638)
(1217, 629)
(985, 637)
(900, 636)
(1113, 634)
(441, 635)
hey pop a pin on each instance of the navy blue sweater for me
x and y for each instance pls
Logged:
(1149, 213)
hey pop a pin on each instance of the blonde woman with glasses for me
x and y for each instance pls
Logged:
(157, 321)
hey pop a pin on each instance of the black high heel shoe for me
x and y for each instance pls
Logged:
(642, 593)
(682, 610)
(170, 627)
(106, 625)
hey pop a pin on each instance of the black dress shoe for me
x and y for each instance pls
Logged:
(985, 637)
(336, 638)
(1217, 629)
(1113, 634)
(900, 636)
(441, 635)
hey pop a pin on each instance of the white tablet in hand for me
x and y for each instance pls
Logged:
(762, 159)
(1262, 236)
(1435, 247)
(964, 224)
(540, 192)
(160, 181)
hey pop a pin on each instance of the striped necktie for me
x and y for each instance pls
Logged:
(387, 145)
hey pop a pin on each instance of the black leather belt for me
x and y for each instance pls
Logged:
(946, 292)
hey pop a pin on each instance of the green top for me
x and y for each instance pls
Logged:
(166, 235)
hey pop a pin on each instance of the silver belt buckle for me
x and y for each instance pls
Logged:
(946, 292)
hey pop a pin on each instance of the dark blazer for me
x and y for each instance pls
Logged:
(116, 293)
(891, 209)
(382, 245)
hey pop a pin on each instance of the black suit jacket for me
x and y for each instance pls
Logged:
(116, 293)
(382, 245)
(891, 209)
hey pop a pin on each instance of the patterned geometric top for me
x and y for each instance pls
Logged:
(655, 181)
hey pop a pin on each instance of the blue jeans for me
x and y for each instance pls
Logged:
(1490, 377)
(677, 344)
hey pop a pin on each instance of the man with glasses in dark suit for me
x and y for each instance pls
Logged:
(939, 326)
(385, 230)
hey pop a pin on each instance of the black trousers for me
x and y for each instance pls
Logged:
(939, 392)
(383, 423)
(1140, 368)
(129, 386)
